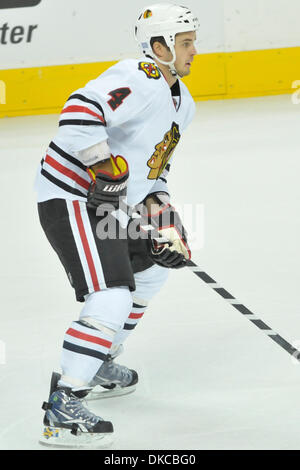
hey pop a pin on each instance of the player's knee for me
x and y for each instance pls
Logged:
(150, 281)
(108, 308)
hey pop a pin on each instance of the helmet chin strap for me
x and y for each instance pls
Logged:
(171, 63)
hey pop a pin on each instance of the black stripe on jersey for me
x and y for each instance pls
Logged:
(79, 122)
(68, 157)
(80, 97)
(61, 184)
(163, 179)
(128, 326)
(168, 166)
(86, 351)
(175, 89)
(138, 306)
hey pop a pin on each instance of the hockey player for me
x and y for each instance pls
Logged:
(116, 139)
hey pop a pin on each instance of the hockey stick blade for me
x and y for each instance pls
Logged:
(243, 310)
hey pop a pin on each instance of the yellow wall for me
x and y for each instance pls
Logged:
(43, 90)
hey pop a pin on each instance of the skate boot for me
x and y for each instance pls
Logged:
(116, 379)
(68, 423)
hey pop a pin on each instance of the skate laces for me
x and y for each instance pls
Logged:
(76, 407)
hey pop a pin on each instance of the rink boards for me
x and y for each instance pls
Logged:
(43, 90)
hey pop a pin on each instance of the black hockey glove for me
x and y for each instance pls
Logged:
(107, 188)
(172, 250)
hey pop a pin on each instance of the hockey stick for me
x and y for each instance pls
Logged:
(244, 310)
(226, 295)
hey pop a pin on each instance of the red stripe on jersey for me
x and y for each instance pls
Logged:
(135, 316)
(90, 338)
(82, 109)
(85, 245)
(67, 172)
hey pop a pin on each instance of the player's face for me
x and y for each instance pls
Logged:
(185, 51)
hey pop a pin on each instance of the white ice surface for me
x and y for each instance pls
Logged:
(209, 379)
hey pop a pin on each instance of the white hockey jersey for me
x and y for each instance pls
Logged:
(132, 107)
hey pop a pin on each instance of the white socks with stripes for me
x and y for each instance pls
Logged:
(88, 341)
(136, 314)
(84, 350)
(106, 320)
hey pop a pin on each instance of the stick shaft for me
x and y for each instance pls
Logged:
(233, 301)
(244, 310)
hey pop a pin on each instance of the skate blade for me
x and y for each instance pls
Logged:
(58, 437)
(115, 392)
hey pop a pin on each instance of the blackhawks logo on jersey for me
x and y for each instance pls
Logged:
(163, 152)
(151, 70)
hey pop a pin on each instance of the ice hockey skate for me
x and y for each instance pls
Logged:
(68, 423)
(117, 380)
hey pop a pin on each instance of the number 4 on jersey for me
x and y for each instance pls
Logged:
(117, 97)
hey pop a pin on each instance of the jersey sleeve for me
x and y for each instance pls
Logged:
(108, 101)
